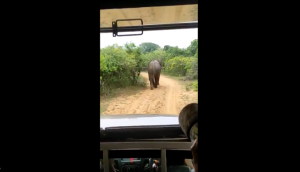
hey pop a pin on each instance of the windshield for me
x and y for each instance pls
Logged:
(148, 79)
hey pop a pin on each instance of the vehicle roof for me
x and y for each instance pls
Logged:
(150, 15)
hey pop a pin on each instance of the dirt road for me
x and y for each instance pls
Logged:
(169, 98)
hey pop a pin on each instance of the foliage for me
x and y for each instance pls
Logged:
(192, 72)
(195, 85)
(159, 55)
(193, 48)
(178, 66)
(119, 67)
(148, 47)
(176, 52)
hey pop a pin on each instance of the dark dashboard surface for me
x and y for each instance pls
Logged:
(146, 154)
(141, 132)
(149, 164)
(143, 160)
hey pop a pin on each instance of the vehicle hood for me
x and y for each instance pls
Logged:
(137, 120)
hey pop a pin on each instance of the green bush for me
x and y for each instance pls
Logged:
(119, 67)
(192, 72)
(178, 66)
(195, 86)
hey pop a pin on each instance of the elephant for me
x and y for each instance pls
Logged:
(154, 69)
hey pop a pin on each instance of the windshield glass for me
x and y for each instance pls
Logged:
(148, 79)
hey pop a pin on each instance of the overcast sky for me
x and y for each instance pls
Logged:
(181, 38)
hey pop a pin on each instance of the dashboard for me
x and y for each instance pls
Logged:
(143, 165)
(132, 164)
(149, 161)
(130, 159)
(143, 149)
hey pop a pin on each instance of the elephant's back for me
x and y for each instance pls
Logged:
(154, 67)
(151, 67)
(157, 65)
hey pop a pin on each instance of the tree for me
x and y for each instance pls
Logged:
(166, 47)
(196, 54)
(148, 47)
(193, 48)
(135, 53)
(175, 51)
(129, 47)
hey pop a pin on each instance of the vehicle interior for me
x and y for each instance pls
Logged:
(155, 147)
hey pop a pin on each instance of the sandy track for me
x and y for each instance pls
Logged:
(169, 98)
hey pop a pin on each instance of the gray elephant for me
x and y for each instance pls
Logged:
(154, 69)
